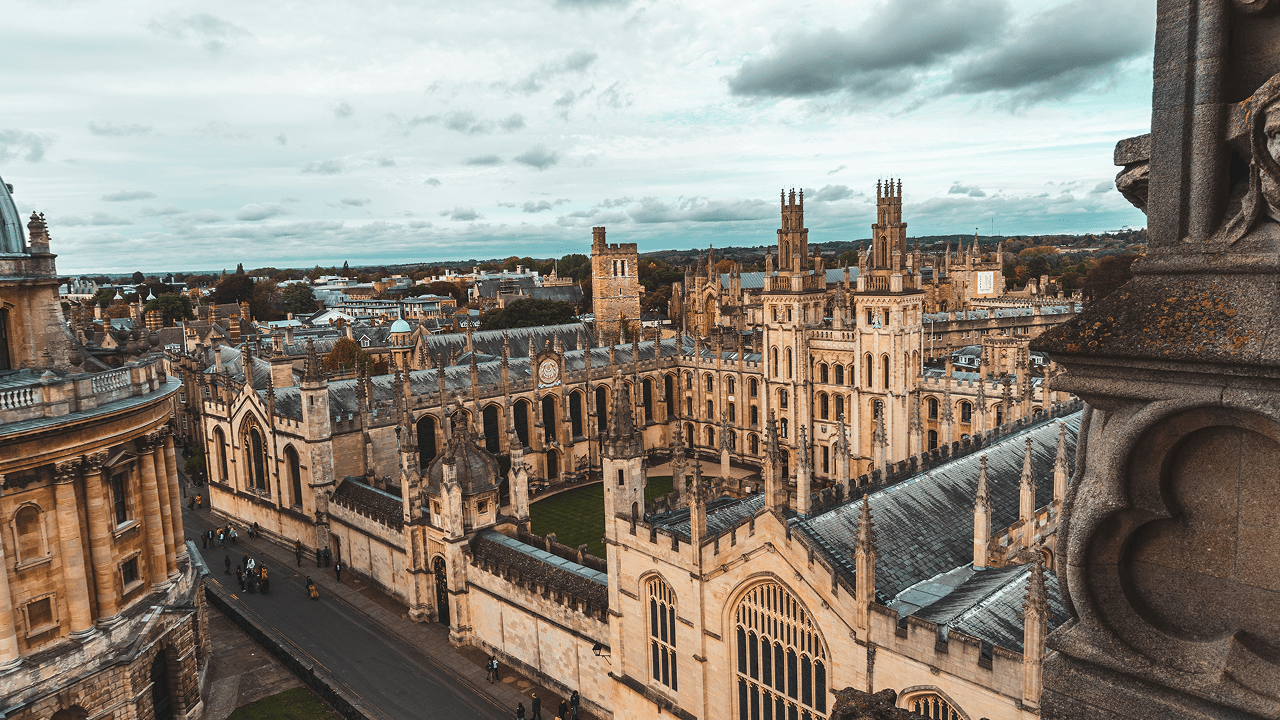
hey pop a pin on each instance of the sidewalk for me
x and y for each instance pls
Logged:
(464, 664)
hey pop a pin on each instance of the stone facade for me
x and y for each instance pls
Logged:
(92, 537)
(615, 286)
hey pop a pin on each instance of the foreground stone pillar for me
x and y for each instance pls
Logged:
(9, 657)
(74, 571)
(166, 510)
(101, 525)
(151, 518)
(175, 499)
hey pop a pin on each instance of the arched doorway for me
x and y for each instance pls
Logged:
(442, 590)
(553, 464)
(161, 699)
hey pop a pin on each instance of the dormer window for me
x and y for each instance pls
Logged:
(364, 341)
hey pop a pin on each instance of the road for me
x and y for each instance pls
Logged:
(389, 674)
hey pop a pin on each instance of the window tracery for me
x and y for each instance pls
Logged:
(781, 668)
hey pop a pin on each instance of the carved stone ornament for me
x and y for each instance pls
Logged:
(19, 482)
(67, 470)
(93, 462)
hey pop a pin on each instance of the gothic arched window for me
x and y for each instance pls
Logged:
(781, 660)
(932, 705)
(933, 408)
(711, 383)
(221, 441)
(257, 460)
(295, 473)
(753, 387)
(662, 633)
(822, 373)
(839, 374)
(966, 412)
(884, 363)
(790, 371)
(869, 376)
(824, 406)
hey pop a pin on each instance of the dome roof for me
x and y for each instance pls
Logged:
(400, 326)
(477, 469)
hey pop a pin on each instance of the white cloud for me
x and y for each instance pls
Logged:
(464, 214)
(118, 129)
(538, 157)
(126, 195)
(29, 146)
(323, 167)
(254, 211)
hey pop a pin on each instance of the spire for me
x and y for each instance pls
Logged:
(312, 372)
(1060, 467)
(1035, 619)
(865, 567)
(622, 439)
(981, 519)
(1027, 496)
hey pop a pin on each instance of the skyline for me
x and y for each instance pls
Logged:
(295, 136)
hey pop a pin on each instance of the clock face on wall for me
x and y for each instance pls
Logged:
(548, 371)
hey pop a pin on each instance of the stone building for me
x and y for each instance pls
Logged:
(92, 539)
(615, 285)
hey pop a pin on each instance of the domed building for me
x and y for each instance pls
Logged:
(91, 535)
(463, 484)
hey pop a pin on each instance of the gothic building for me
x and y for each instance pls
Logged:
(91, 538)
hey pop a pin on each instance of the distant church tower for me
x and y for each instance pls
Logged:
(615, 286)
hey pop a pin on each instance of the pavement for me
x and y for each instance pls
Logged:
(363, 638)
(242, 671)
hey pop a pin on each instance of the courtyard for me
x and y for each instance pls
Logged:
(577, 516)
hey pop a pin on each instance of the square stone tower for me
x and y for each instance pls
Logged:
(615, 285)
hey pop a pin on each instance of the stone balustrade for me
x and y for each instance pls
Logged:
(27, 395)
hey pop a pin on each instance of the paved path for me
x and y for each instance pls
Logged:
(405, 670)
(242, 670)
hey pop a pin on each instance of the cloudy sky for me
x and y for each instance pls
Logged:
(182, 135)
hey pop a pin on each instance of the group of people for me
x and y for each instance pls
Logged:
(568, 709)
(219, 536)
(251, 575)
(195, 502)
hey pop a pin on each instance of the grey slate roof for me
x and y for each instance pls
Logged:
(989, 606)
(232, 362)
(755, 280)
(562, 293)
(988, 313)
(536, 564)
(924, 524)
(489, 342)
(722, 514)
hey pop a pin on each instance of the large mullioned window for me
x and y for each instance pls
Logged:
(782, 664)
(932, 705)
(662, 633)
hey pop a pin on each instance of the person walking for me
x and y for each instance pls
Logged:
(337, 570)
(199, 501)
(226, 562)
(563, 712)
(574, 702)
(204, 542)
(519, 711)
(492, 669)
(240, 578)
(537, 708)
(297, 551)
(264, 579)
(311, 589)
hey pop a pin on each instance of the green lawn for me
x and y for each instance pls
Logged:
(577, 516)
(295, 704)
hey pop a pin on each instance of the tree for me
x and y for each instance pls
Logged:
(102, 298)
(346, 269)
(530, 312)
(239, 268)
(446, 288)
(233, 289)
(266, 303)
(137, 278)
(172, 307)
(1039, 265)
(657, 301)
(195, 463)
(299, 299)
(347, 356)
(1109, 274)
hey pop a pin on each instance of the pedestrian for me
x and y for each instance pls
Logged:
(297, 551)
(226, 562)
(337, 570)
(255, 530)
(574, 702)
(492, 667)
(519, 711)
(235, 539)
(191, 503)
(204, 542)
(563, 712)
(199, 501)
(246, 559)
(328, 557)
(537, 708)
(264, 580)
(240, 578)
(311, 589)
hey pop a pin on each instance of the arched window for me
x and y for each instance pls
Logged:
(733, 413)
(753, 444)
(575, 413)
(521, 411)
(711, 383)
(29, 535)
(602, 407)
(662, 633)
(838, 402)
(966, 412)
(549, 418)
(689, 436)
(884, 363)
(839, 374)
(295, 474)
(877, 407)
(669, 387)
(492, 418)
(688, 407)
(221, 441)
(711, 437)
(753, 387)
(732, 384)
(824, 406)
(733, 440)
(869, 375)
(933, 439)
(755, 416)
(257, 460)
(822, 373)
(688, 381)
(999, 415)
(933, 408)
(931, 705)
(646, 399)
(790, 372)
(782, 427)
(711, 410)
(781, 660)
(782, 397)
(773, 360)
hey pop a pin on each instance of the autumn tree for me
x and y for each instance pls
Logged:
(1108, 275)
(299, 299)
(347, 356)
(172, 306)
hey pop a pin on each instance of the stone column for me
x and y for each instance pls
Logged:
(151, 518)
(175, 499)
(101, 548)
(74, 576)
(166, 510)
(9, 657)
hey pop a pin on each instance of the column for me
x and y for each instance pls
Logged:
(151, 517)
(101, 542)
(175, 498)
(74, 577)
(9, 657)
(166, 511)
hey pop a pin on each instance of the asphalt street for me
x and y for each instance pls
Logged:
(387, 673)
